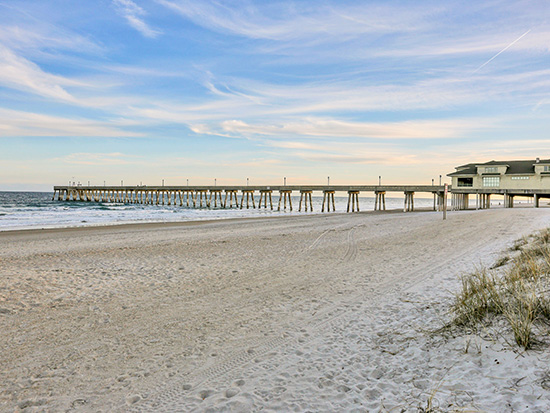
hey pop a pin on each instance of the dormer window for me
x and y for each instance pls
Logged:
(491, 169)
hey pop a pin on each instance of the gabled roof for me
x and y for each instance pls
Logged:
(514, 167)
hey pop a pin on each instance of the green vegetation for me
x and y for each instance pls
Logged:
(515, 288)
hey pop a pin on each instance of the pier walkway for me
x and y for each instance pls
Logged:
(245, 196)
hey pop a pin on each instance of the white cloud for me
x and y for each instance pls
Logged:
(114, 158)
(286, 21)
(17, 123)
(19, 73)
(134, 16)
(318, 127)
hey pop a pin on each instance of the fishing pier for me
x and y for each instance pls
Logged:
(246, 196)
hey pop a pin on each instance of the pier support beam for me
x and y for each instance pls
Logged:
(198, 194)
(537, 201)
(249, 196)
(380, 200)
(353, 198)
(264, 194)
(328, 197)
(409, 202)
(508, 201)
(284, 194)
(217, 193)
(232, 194)
(305, 195)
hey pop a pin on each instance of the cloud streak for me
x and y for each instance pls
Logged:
(134, 16)
(18, 123)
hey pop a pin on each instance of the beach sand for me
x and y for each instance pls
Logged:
(326, 312)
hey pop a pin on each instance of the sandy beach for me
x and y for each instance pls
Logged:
(311, 313)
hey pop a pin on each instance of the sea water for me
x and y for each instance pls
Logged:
(28, 210)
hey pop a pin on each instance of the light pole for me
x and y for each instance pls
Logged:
(188, 182)
(432, 182)
(246, 181)
(439, 180)
(328, 180)
(285, 181)
(163, 182)
(121, 182)
(88, 183)
(104, 183)
(379, 180)
(215, 181)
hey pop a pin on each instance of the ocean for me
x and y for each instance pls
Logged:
(30, 210)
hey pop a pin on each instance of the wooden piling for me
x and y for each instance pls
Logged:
(284, 194)
(409, 202)
(249, 197)
(380, 200)
(264, 194)
(328, 198)
(305, 195)
(353, 198)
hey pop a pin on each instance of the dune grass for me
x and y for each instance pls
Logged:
(516, 288)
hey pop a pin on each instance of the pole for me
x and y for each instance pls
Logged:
(285, 181)
(328, 180)
(379, 181)
(445, 202)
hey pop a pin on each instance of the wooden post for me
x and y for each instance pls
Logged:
(328, 197)
(305, 195)
(284, 194)
(445, 201)
(264, 193)
(353, 199)
(380, 200)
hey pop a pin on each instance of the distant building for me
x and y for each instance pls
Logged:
(508, 178)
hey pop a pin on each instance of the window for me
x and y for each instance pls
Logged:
(520, 177)
(546, 168)
(491, 181)
(491, 169)
(465, 181)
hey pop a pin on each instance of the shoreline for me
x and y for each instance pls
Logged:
(191, 222)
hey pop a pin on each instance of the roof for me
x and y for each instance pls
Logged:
(514, 167)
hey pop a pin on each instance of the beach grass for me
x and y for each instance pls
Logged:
(515, 288)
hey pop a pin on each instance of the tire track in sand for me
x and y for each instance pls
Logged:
(167, 399)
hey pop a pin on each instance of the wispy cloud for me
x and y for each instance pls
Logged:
(18, 123)
(19, 73)
(285, 21)
(333, 128)
(92, 158)
(134, 16)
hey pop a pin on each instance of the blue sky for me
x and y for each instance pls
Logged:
(145, 90)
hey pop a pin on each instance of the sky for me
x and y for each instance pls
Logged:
(140, 91)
